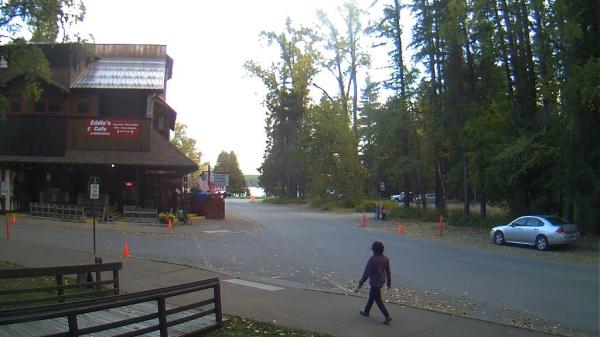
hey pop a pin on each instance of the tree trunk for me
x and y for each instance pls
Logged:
(467, 204)
(482, 202)
(504, 51)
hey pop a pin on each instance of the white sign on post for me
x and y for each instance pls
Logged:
(4, 188)
(94, 191)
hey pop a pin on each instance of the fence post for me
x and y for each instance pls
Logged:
(162, 317)
(98, 260)
(73, 328)
(61, 291)
(218, 310)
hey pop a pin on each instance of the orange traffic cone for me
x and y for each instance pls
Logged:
(441, 225)
(170, 224)
(14, 219)
(126, 251)
(400, 229)
(364, 219)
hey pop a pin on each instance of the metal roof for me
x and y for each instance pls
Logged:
(123, 73)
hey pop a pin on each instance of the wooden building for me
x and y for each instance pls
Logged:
(102, 113)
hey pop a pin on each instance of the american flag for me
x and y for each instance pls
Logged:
(203, 184)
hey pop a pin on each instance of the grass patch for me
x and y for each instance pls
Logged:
(453, 218)
(243, 327)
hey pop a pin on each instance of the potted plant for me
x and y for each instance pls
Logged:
(164, 217)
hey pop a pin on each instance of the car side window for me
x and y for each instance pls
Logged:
(533, 222)
(520, 222)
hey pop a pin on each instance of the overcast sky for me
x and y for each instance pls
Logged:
(209, 42)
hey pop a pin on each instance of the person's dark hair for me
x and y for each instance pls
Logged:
(377, 248)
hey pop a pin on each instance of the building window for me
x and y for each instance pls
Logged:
(40, 105)
(14, 102)
(161, 122)
(54, 103)
(83, 105)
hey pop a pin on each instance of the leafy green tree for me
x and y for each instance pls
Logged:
(187, 146)
(46, 21)
(287, 82)
(332, 165)
(344, 56)
(227, 162)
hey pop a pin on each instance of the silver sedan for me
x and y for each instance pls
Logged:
(541, 231)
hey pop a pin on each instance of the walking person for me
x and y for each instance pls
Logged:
(378, 273)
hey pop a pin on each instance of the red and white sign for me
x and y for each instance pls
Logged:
(112, 127)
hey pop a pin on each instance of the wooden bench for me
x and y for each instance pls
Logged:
(137, 214)
(157, 312)
(56, 293)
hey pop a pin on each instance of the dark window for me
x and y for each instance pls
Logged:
(520, 222)
(40, 105)
(533, 222)
(83, 105)
(161, 122)
(14, 102)
(556, 221)
(54, 103)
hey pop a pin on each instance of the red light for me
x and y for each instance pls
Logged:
(128, 184)
(560, 229)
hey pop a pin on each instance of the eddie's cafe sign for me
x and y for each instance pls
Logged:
(109, 127)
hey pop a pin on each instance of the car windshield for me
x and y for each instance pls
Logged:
(556, 221)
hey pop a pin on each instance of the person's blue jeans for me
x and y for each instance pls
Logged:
(375, 296)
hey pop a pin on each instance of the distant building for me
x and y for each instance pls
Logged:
(103, 113)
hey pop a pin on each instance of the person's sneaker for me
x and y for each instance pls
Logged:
(387, 320)
(364, 313)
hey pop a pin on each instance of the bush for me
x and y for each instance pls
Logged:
(458, 218)
(453, 217)
(369, 205)
(284, 200)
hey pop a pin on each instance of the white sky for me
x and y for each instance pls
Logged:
(209, 42)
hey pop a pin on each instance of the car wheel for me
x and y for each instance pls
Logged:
(397, 200)
(541, 243)
(498, 238)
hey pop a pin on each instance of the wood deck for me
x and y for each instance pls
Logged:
(60, 325)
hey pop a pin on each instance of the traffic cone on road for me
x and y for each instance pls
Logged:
(170, 224)
(14, 219)
(126, 251)
(441, 225)
(364, 219)
(400, 229)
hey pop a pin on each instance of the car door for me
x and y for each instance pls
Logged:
(513, 230)
(524, 230)
(531, 231)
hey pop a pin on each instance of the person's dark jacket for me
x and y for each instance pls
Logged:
(377, 271)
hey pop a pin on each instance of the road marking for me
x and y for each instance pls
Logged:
(253, 284)
(217, 231)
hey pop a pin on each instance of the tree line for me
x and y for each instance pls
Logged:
(499, 104)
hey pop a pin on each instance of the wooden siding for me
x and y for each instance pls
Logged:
(78, 139)
(33, 136)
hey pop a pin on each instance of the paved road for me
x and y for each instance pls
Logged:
(328, 251)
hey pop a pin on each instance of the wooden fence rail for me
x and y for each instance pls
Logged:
(92, 288)
(159, 319)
